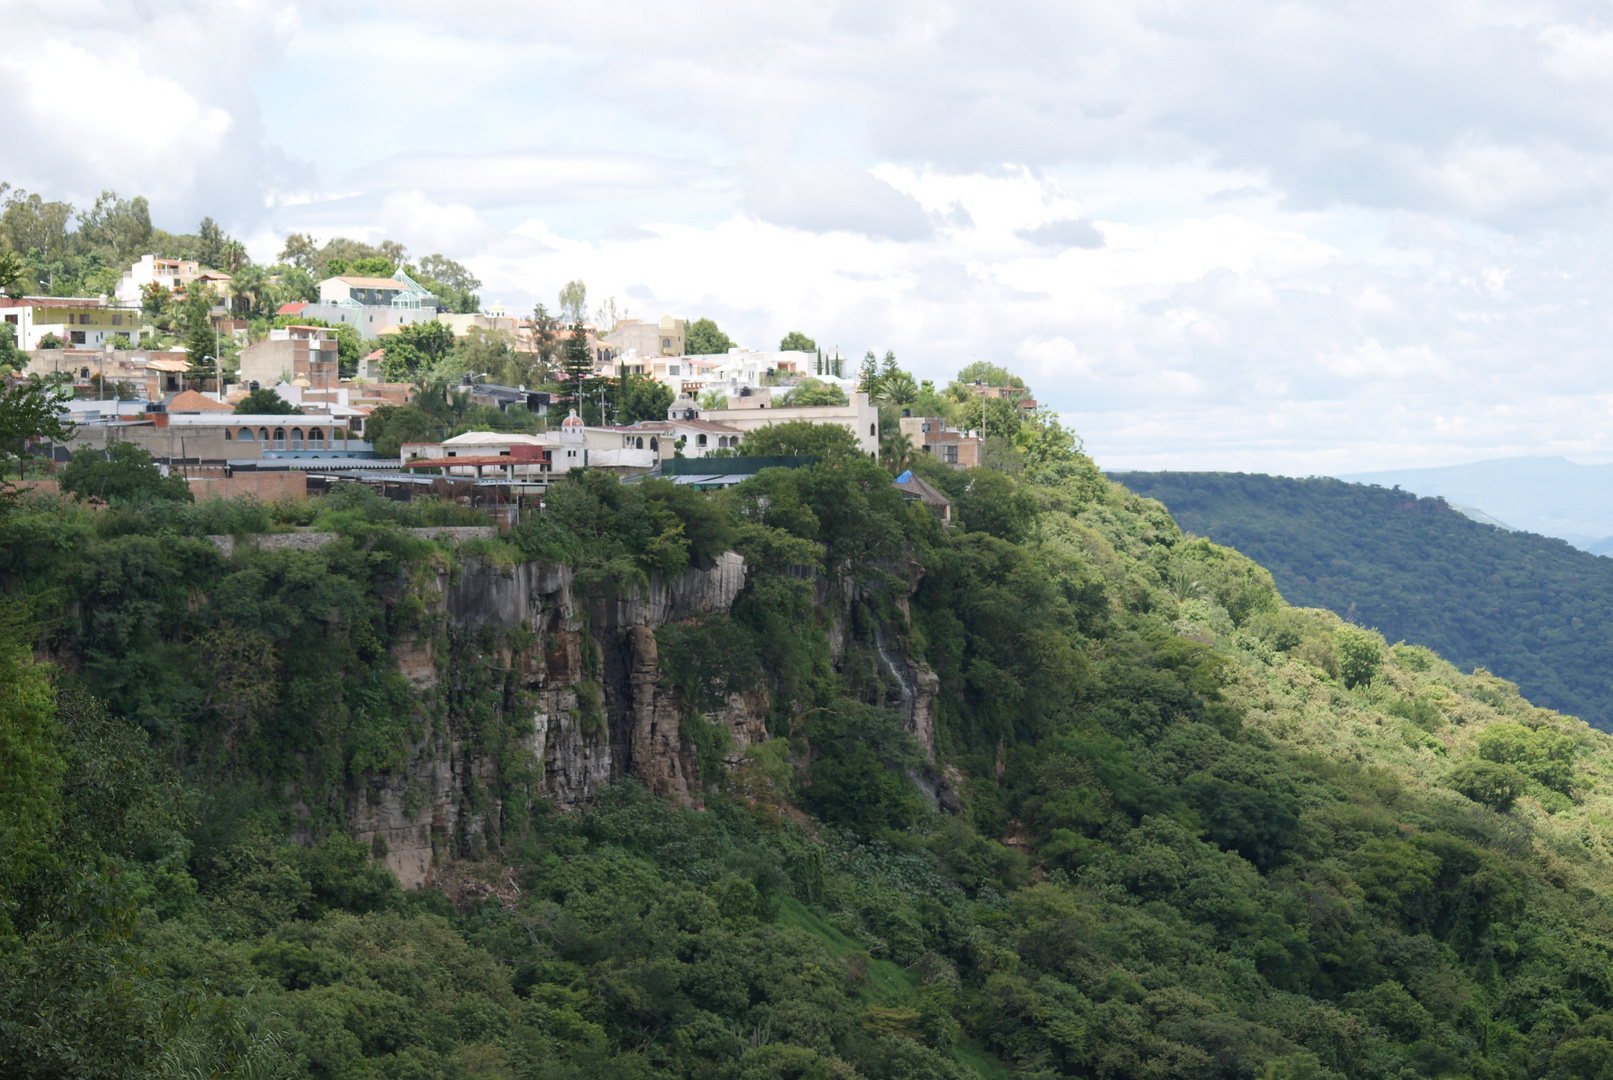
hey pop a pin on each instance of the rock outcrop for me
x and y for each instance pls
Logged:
(588, 674)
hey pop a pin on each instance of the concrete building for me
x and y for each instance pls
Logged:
(647, 339)
(931, 435)
(859, 416)
(370, 305)
(175, 275)
(81, 322)
(289, 353)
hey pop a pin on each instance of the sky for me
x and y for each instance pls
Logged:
(1278, 237)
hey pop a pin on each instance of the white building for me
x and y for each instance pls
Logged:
(79, 322)
(859, 416)
(370, 305)
(175, 275)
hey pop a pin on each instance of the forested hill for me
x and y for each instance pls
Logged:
(1529, 608)
(1056, 791)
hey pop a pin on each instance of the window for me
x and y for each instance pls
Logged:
(666, 343)
(77, 336)
(263, 434)
(296, 438)
(700, 440)
(117, 320)
(316, 439)
(640, 445)
(227, 435)
(279, 438)
(951, 453)
(245, 436)
(12, 319)
(655, 443)
(871, 430)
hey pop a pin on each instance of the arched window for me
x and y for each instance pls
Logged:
(263, 434)
(700, 440)
(246, 435)
(227, 435)
(279, 438)
(316, 439)
(655, 444)
(296, 438)
(871, 429)
(640, 445)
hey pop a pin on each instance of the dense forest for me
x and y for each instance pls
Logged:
(1173, 826)
(1530, 608)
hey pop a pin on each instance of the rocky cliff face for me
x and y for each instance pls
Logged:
(589, 681)
(577, 678)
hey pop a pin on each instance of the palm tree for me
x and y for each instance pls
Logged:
(250, 284)
(895, 449)
(896, 388)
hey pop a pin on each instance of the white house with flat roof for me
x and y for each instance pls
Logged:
(370, 305)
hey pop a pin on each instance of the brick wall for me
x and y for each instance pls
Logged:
(267, 486)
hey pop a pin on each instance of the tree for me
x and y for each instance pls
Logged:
(795, 341)
(374, 266)
(122, 471)
(51, 340)
(574, 302)
(265, 402)
(210, 241)
(390, 426)
(868, 374)
(300, 251)
(546, 338)
(13, 274)
(713, 399)
(454, 285)
(31, 411)
(826, 442)
(11, 358)
(416, 349)
(201, 345)
(639, 398)
(704, 339)
(812, 392)
(121, 227)
(896, 388)
(578, 363)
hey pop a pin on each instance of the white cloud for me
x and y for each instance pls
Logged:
(1247, 235)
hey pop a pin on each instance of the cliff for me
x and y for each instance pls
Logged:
(583, 698)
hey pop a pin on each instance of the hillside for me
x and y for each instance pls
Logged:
(1531, 609)
(1551, 496)
(784, 782)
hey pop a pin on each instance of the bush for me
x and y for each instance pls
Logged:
(1496, 786)
(122, 472)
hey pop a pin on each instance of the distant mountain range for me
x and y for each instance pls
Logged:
(1551, 496)
(1530, 609)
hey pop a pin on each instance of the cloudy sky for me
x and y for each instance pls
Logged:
(1289, 237)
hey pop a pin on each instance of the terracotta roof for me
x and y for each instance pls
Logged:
(191, 401)
(290, 309)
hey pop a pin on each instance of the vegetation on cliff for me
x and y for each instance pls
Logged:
(1174, 827)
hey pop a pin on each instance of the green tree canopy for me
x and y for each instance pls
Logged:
(265, 402)
(702, 338)
(812, 391)
(31, 411)
(639, 398)
(121, 472)
(795, 341)
(416, 349)
(826, 442)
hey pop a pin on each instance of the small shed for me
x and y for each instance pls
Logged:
(915, 488)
